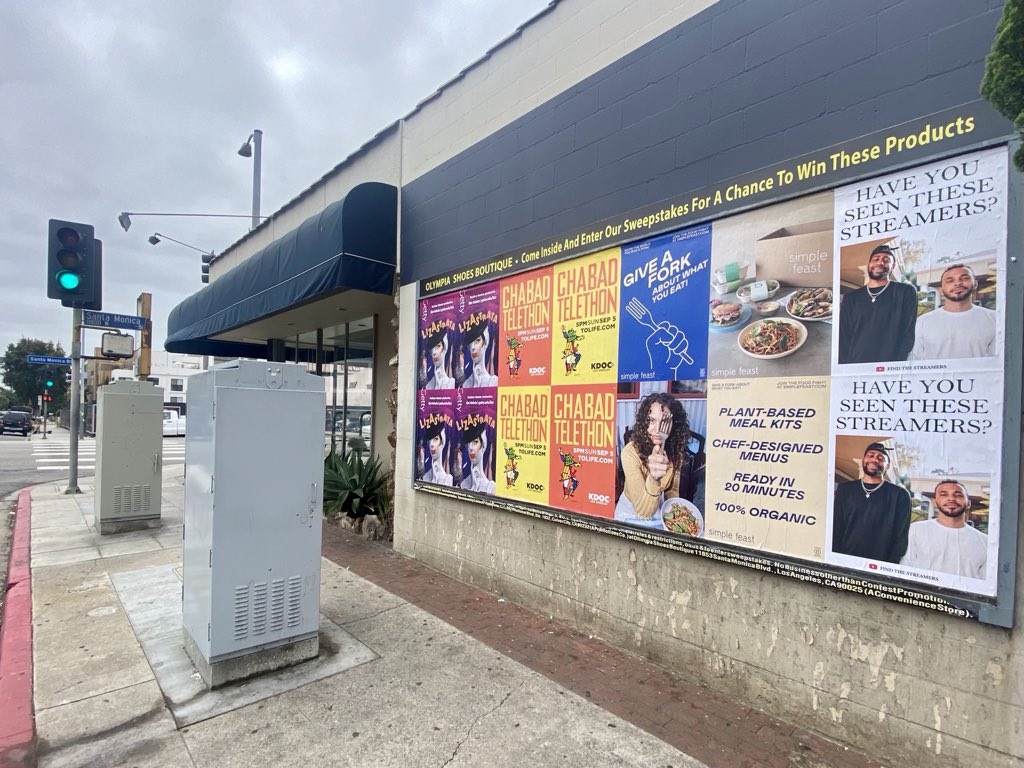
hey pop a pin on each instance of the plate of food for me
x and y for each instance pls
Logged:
(810, 304)
(772, 338)
(767, 289)
(728, 316)
(681, 516)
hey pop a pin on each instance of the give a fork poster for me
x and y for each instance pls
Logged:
(663, 333)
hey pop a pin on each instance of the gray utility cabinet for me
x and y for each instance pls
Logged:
(129, 456)
(253, 497)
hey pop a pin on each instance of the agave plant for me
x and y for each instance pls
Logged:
(354, 487)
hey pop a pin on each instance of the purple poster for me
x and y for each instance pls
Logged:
(476, 413)
(477, 309)
(436, 439)
(439, 344)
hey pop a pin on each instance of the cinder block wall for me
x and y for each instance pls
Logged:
(732, 87)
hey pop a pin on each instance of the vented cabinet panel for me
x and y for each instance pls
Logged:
(253, 498)
(129, 452)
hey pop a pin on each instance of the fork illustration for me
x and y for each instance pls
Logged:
(671, 337)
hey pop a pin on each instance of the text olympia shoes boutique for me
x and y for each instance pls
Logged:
(710, 345)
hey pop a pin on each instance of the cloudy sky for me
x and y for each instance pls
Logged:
(141, 106)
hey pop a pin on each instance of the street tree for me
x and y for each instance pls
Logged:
(26, 380)
(1003, 84)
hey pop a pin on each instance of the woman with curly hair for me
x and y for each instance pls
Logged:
(653, 460)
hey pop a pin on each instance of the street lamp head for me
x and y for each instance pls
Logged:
(246, 149)
(125, 220)
(153, 239)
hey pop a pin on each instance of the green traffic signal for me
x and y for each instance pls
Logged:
(49, 383)
(74, 258)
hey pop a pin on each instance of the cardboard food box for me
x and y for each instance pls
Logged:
(799, 255)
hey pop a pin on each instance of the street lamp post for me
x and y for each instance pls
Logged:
(253, 147)
(125, 217)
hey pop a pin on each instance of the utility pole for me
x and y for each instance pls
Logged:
(76, 399)
(144, 308)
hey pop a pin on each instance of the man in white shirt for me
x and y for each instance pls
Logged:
(959, 328)
(946, 543)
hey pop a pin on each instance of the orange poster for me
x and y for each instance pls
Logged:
(525, 302)
(585, 331)
(582, 455)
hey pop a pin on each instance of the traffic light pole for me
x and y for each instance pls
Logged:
(45, 403)
(76, 404)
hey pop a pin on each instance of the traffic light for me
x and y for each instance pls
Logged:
(73, 265)
(67, 377)
(49, 379)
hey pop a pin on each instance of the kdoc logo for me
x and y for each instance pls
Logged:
(599, 498)
(538, 370)
(534, 487)
(600, 366)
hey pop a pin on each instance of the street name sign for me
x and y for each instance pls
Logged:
(48, 360)
(113, 320)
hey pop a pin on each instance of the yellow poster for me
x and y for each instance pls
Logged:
(524, 422)
(767, 475)
(585, 328)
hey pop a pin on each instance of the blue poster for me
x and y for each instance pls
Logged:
(663, 331)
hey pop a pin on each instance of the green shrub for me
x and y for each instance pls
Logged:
(1003, 84)
(355, 488)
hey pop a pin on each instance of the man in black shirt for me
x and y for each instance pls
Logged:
(871, 517)
(877, 321)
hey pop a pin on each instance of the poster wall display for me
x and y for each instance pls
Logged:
(918, 372)
(436, 439)
(439, 343)
(477, 312)
(660, 275)
(526, 328)
(586, 316)
(524, 440)
(476, 424)
(813, 388)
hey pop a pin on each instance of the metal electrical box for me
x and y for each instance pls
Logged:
(253, 500)
(129, 456)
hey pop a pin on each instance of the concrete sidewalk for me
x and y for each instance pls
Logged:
(415, 669)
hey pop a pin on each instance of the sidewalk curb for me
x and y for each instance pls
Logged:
(17, 716)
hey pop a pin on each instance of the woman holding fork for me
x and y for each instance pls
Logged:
(653, 459)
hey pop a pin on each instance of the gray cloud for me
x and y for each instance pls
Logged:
(142, 106)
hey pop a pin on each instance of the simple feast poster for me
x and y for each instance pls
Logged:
(663, 335)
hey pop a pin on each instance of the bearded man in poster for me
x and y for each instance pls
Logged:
(959, 328)
(871, 516)
(946, 543)
(877, 321)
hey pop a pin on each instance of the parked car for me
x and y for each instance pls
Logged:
(17, 421)
(359, 424)
(174, 424)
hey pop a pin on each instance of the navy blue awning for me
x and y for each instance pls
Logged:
(351, 244)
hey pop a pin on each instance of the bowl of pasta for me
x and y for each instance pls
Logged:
(773, 338)
(681, 516)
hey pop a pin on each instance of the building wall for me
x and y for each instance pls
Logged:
(740, 85)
